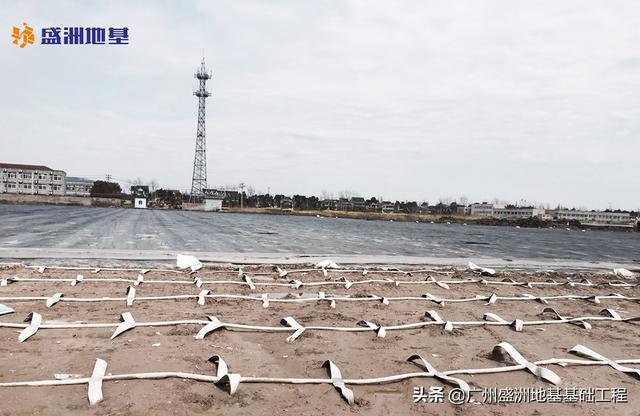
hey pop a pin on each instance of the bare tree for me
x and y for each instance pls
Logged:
(153, 185)
(324, 194)
(345, 194)
(348, 194)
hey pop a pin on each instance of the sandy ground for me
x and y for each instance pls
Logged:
(358, 355)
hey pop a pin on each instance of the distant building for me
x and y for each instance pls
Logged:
(75, 186)
(140, 194)
(343, 205)
(593, 217)
(357, 203)
(373, 206)
(31, 179)
(463, 210)
(518, 213)
(331, 204)
(286, 203)
(481, 210)
(213, 199)
(388, 206)
(584, 217)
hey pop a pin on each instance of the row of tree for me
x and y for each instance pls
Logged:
(252, 199)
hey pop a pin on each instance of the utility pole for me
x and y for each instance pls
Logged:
(199, 178)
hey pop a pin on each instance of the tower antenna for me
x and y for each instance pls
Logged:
(199, 178)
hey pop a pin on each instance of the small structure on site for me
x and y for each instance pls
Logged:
(140, 195)
(213, 199)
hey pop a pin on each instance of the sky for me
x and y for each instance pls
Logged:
(405, 100)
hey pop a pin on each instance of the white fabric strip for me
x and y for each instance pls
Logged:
(332, 299)
(295, 283)
(95, 382)
(289, 324)
(224, 378)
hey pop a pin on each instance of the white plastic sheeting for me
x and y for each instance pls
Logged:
(4, 309)
(188, 262)
(481, 270)
(624, 273)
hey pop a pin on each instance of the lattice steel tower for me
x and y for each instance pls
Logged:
(199, 179)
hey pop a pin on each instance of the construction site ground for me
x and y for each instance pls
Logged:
(357, 354)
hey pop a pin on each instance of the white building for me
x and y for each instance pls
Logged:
(78, 186)
(482, 210)
(388, 206)
(213, 199)
(31, 179)
(518, 213)
(212, 204)
(140, 195)
(593, 217)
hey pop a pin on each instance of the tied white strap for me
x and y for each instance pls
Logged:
(210, 327)
(202, 296)
(492, 299)
(249, 282)
(347, 283)
(95, 382)
(54, 299)
(131, 295)
(434, 299)
(338, 382)
(296, 283)
(139, 280)
(379, 330)
(423, 364)
(441, 284)
(127, 323)
(35, 321)
(541, 372)
(292, 323)
(79, 278)
(448, 326)
(586, 352)
(224, 377)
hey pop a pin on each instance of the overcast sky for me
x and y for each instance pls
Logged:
(418, 100)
